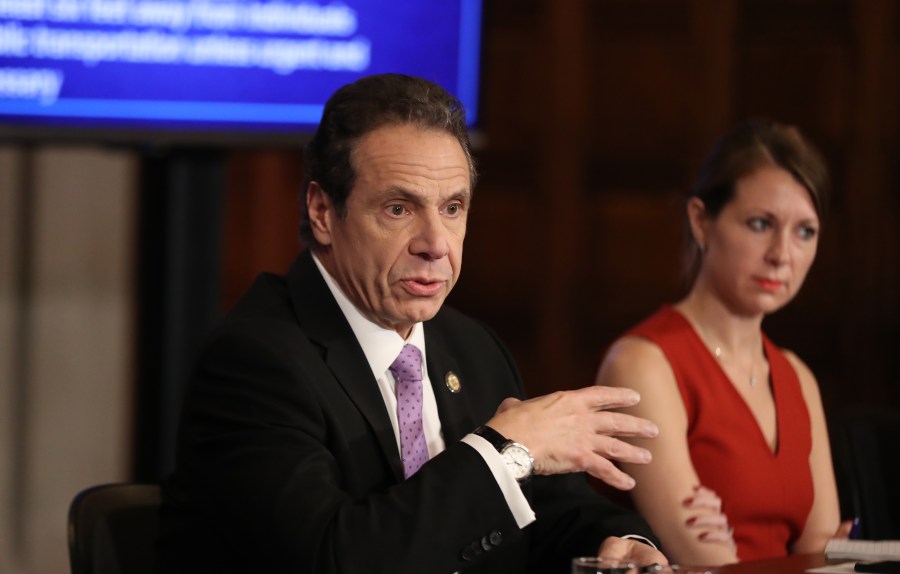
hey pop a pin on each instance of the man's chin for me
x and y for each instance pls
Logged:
(419, 311)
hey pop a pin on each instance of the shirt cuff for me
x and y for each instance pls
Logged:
(640, 538)
(510, 488)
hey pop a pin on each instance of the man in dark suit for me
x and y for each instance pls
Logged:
(290, 447)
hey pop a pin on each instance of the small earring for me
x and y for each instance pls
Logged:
(702, 246)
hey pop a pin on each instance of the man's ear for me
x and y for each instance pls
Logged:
(321, 212)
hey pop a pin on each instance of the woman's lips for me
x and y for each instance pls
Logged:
(769, 284)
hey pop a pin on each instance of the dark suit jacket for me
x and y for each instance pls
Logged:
(288, 463)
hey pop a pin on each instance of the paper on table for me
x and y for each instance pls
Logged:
(842, 568)
(863, 549)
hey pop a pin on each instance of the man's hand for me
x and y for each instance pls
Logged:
(628, 550)
(571, 431)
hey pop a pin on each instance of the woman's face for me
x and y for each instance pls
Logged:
(762, 244)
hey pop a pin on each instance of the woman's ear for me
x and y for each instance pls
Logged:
(321, 212)
(699, 221)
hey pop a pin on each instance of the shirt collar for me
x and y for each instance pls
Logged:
(381, 346)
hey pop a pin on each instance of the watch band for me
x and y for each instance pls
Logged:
(497, 440)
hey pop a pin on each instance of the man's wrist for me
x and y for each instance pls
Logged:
(512, 490)
(516, 456)
(640, 538)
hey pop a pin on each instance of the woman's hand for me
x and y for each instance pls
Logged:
(710, 523)
(845, 528)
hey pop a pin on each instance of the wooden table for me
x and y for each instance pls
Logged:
(795, 564)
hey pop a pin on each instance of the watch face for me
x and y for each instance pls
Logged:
(518, 460)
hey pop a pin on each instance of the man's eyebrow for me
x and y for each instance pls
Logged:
(396, 192)
(463, 195)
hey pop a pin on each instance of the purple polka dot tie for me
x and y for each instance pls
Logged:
(407, 371)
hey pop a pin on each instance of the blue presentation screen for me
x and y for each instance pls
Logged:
(235, 65)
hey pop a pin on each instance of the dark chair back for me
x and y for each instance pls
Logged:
(113, 529)
(865, 442)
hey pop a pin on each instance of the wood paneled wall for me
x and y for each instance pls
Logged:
(66, 340)
(596, 116)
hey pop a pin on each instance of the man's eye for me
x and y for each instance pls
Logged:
(396, 210)
(759, 224)
(453, 209)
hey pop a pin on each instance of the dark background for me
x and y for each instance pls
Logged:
(597, 114)
(596, 117)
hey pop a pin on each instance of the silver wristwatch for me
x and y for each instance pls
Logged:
(517, 458)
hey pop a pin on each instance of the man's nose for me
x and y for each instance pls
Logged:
(431, 241)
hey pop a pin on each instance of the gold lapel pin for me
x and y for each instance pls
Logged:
(452, 382)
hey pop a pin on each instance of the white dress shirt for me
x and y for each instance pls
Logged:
(381, 346)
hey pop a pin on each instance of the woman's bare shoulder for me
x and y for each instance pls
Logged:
(635, 362)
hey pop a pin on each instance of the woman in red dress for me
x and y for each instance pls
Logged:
(737, 414)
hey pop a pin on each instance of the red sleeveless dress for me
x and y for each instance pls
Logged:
(767, 496)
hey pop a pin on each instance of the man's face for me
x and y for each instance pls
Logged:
(397, 252)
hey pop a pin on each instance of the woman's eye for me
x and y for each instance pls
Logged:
(808, 232)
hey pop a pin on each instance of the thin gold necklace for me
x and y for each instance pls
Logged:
(718, 353)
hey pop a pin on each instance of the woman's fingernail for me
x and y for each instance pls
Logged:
(691, 520)
(703, 535)
(688, 501)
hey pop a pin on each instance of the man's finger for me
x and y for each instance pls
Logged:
(610, 474)
(614, 449)
(614, 548)
(630, 551)
(620, 424)
(604, 398)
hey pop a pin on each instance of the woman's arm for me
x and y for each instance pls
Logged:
(664, 485)
(824, 518)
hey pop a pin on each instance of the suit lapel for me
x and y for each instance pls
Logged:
(453, 408)
(322, 320)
